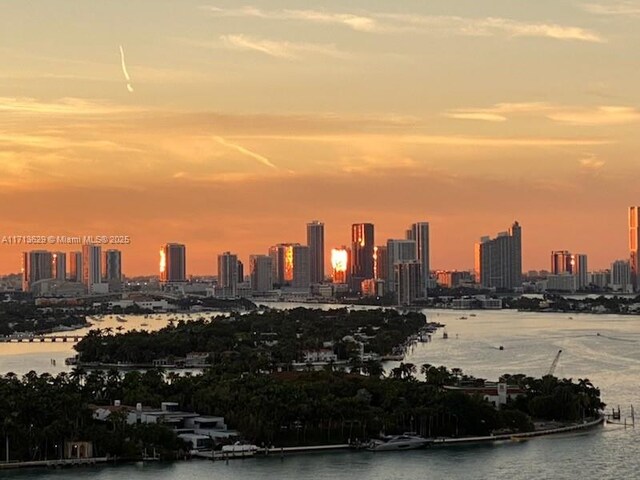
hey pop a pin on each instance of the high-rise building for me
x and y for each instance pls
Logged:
(290, 264)
(240, 271)
(228, 274)
(91, 267)
(112, 269)
(634, 245)
(36, 266)
(560, 262)
(59, 266)
(380, 267)
(579, 268)
(340, 264)
(301, 267)
(564, 262)
(75, 267)
(407, 280)
(315, 241)
(173, 263)
(419, 232)
(498, 261)
(621, 276)
(362, 243)
(112, 265)
(398, 251)
(261, 273)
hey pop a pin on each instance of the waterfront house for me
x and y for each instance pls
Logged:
(497, 394)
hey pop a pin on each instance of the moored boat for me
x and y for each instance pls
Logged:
(399, 442)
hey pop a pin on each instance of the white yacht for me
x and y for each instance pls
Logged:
(399, 442)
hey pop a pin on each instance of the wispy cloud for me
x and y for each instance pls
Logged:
(355, 22)
(586, 116)
(427, 24)
(614, 8)
(245, 151)
(63, 106)
(124, 70)
(278, 49)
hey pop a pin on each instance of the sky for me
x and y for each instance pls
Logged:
(228, 126)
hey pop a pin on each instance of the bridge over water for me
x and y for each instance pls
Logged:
(41, 339)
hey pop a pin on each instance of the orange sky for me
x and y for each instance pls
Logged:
(241, 124)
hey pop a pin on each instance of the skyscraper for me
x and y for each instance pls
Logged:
(634, 244)
(290, 264)
(407, 280)
(398, 251)
(240, 272)
(565, 262)
(499, 261)
(380, 267)
(112, 265)
(621, 276)
(36, 265)
(59, 266)
(315, 241)
(228, 274)
(75, 267)
(362, 243)
(340, 264)
(261, 273)
(91, 267)
(419, 232)
(561, 262)
(173, 263)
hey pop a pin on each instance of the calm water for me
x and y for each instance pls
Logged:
(611, 360)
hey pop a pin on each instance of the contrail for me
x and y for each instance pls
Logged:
(124, 70)
(249, 153)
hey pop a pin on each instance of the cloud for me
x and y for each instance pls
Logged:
(355, 22)
(278, 49)
(245, 151)
(585, 116)
(63, 106)
(598, 116)
(614, 9)
(591, 163)
(427, 24)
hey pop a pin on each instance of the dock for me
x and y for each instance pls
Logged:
(58, 463)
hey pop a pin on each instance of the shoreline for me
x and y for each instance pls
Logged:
(296, 450)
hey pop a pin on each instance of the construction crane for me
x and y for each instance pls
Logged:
(554, 364)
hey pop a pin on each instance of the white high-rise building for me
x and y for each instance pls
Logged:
(621, 276)
(92, 268)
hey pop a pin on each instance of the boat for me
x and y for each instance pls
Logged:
(121, 319)
(462, 318)
(398, 442)
(144, 324)
(472, 315)
(445, 335)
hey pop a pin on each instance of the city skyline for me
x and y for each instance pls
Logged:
(208, 266)
(241, 123)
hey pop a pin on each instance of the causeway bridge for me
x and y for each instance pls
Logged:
(41, 339)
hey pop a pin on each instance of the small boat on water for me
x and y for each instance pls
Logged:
(144, 324)
(398, 442)
(121, 319)
(445, 335)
